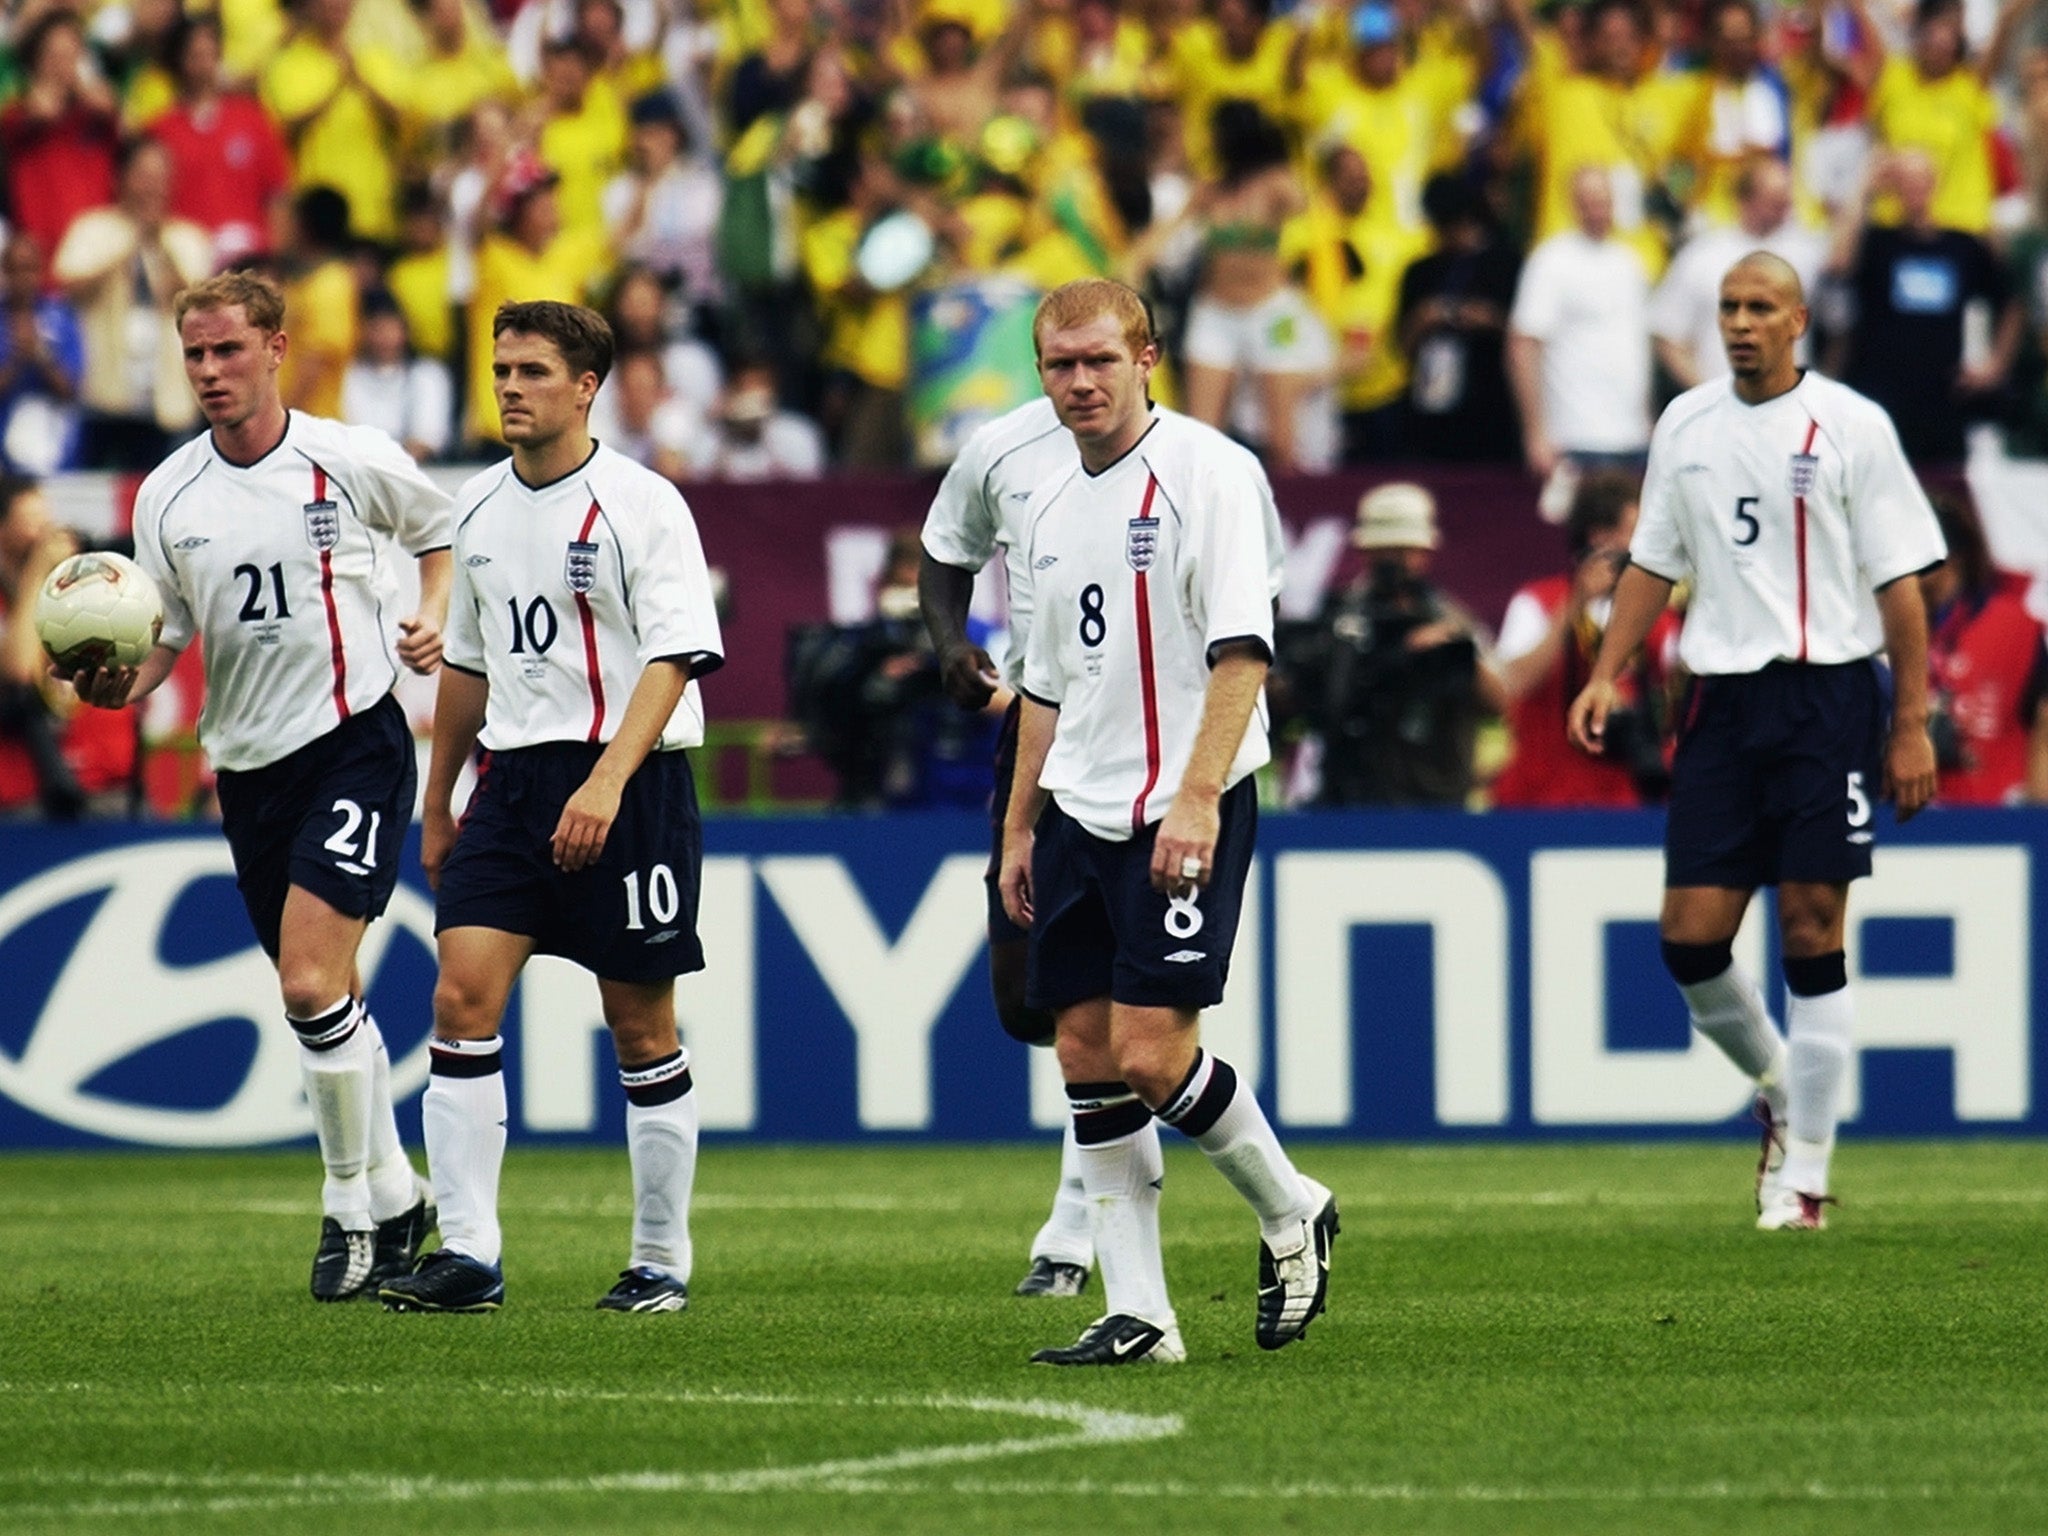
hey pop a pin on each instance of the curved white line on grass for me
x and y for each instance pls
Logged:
(223, 1493)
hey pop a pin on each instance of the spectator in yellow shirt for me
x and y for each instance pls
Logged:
(1373, 101)
(419, 278)
(321, 300)
(866, 354)
(1623, 114)
(1351, 270)
(1235, 53)
(340, 111)
(1939, 103)
(463, 65)
(530, 256)
(584, 132)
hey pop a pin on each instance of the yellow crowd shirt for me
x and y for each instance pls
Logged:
(1950, 121)
(320, 309)
(869, 336)
(1361, 308)
(346, 146)
(1202, 74)
(1392, 129)
(586, 148)
(1636, 132)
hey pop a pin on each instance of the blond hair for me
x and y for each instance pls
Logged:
(261, 300)
(1078, 302)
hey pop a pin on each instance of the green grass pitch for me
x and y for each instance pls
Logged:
(1567, 1339)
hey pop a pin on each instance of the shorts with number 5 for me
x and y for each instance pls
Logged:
(631, 916)
(1100, 930)
(330, 818)
(1777, 776)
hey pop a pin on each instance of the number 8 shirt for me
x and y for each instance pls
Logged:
(1787, 516)
(285, 567)
(1139, 574)
(563, 594)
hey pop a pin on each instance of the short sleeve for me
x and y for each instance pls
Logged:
(397, 497)
(1659, 542)
(674, 612)
(960, 528)
(1893, 525)
(1227, 556)
(1538, 301)
(462, 640)
(151, 555)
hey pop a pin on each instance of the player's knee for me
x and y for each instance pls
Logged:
(308, 989)
(1033, 1026)
(463, 1009)
(1154, 1069)
(1690, 964)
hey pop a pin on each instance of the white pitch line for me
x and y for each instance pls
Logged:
(217, 1494)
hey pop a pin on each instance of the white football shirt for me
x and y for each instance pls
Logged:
(565, 592)
(981, 507)
(1138, 573)
(285, 568)
(1787, 517)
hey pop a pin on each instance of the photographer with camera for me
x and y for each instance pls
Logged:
(871, 704)
(1549, 637)
(1393, 677)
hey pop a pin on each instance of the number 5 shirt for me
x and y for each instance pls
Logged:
(1139, 574)
(1787, 516)
(287, 568)
(563, 593)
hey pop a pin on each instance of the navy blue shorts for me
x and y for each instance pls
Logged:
(330, 818)
(631, 916)
(1100, 930)
(1000, 929)
(1777, 776)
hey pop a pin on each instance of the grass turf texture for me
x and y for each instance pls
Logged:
(1530, 1339)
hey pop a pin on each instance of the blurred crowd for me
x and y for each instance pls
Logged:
(1388, 230)
(1483, 231)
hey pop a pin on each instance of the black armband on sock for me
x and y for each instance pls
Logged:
(1816, 975)
(1691, 964)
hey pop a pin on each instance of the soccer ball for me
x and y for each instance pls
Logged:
(98, 610)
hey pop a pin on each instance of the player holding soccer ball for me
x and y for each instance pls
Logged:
(1143, 720)
(581, 619)
(1787, 501)
(271, 539)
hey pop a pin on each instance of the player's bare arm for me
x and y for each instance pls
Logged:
(1639, 597)
(588, 815)
(458, 717)
(419, 643)
(1036, 724)
(1184, 852)
(944, 593)
(1909, 755)
(117, 687)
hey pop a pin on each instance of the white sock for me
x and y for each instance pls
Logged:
(337, 1060)
(394, 1186)
(1122, 1179)
(1729, 1010)
(661, 1143)
(1065, 1237)
(1816, 1071)
(464, 1113)
(1220, 1116)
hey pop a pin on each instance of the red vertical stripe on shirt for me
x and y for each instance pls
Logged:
(334, 649)
(590, 638)
(1147, 682)
(1799, 536)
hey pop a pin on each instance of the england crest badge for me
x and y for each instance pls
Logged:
(581, 566)
(1141, 542)
(1805, 473)
(323, 524)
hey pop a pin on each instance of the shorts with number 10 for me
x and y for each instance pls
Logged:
(631, 916)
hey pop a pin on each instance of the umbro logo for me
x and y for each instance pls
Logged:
(1043, 561)
(475, 560)
(192, 543)
(664, 936)
(1860, 837)
(1695, 469)
(1186, 956)
(1020, 495)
